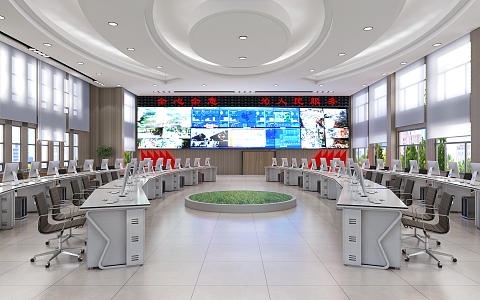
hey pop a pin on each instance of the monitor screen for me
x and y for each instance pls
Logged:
(242, 127)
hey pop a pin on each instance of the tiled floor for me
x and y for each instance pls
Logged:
(294, 254)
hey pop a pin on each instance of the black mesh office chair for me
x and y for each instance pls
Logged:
(20, 175)
(114, 175)
(467, 176)
(45, 227)
(104, 177)
(441, 227)
(406, 170)
(62, 171)
(79, 196)
(373, 167)
(87, 185)
(397, 184)
(368, 175)
(428, 206)
(378, 178)
(423, 171)
(406, 194)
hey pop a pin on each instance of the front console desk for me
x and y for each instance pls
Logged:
(271, 173)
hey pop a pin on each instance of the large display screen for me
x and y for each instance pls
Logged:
(242, 127)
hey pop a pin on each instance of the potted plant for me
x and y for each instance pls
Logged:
(104, 151)
(128, 156)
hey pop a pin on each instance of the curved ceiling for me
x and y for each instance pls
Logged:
(308, 46)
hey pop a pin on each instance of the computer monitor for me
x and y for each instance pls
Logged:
(453, 166)
(475, 169)
(134, 162)
(304, 163)
(187, 163)
(104, 165)
(147, 159)
(333, 165)
(380, 164)
(118, 163)
(196, 162)
(396, 165)
(149, 166)
(336, 159)
(178, 162)
(10, 173)
(284, 162)
(34, 170)
(53, 168)
(88, 165)
(350, 160)
(274, 161)
(323, 164)
(133, 165)
(207, 161)
(432, 167)
(359, 173)
(340, 167)
(125, 179)
(314, 164)
(169, 164)
(141, 167)
(159, 164)
(294, 162)
(72, 166)
(413, 166)
(365, 163)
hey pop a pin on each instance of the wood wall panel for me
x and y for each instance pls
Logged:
(254, 162)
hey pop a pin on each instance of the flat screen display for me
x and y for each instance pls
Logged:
(242, 127)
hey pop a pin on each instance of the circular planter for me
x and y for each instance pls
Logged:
(240, 208)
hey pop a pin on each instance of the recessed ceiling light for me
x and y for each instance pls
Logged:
(2, 18)
(119, 85)
(341, 54)
(204, 84)
(243, 37)
(159, 67)
(437, 44)
(47, 44)
(99, 73)
(312, 70)
(364, 85)
(403, 63)
(384, 74)
(321, 84)
(242, 57)
(275, 84)
(131, 49)
(79, 63)
(155, 85)
(368, 28)
(113, 23)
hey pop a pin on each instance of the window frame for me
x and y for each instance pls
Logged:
(17, 144)
(417, 146)
(445, 144)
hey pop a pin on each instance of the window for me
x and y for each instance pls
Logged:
(44, 89)
(75, 146)
(16, 143)
(16, 78)
(56, 151)
(380, 151)
(66, 96)
(412, 146)
(377, 112)
(360, 153)
(360, 119)
(55, 92)
(31, 145)
(66, 149)
(44, 154)
(32, 84)
(458, 149)
(75, 99)
(1, 147)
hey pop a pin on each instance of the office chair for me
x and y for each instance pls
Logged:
(45, 227)
(429, 205)
(62, 171)
(386, 168)
(373, 167)
(441, 227)
(423, 171)
(104, 177)
(57, 215)
(467, 176)
(368, 175)
(20, 175)
(397, 184)
(87, 185)
(79, 196)
(378, 178)
(406, 170)
(114, 175)
(406, 195)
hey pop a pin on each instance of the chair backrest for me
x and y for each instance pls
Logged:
(373, 167)
(386, 168)
(62, 171)
(20, 175)
(76, 191)
(104, 177)
(397, 183)
(430, 199)
(422, 171)
(378, 178)
(444, 210)
(42, 209)
(368, 175)
(86, 182)
(406, 170)
(55, 198)
(409, 186)
(467, 176)
(114, 175)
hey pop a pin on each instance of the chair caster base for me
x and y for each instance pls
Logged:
(439, 264)
(47, 265)
(439, 243)
(32, 259)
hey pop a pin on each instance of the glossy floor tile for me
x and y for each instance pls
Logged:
(287, 255)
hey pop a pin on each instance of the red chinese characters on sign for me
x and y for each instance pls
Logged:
(179, 101)
(315, 101)
(161, 101)
(281, 101)
(212, 101)
(265, 101)
(195, 101)
(332, 101)
(298, 101)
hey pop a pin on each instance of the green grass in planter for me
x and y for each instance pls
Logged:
(240, 197)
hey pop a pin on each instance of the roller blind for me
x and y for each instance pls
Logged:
(377, 112)
(448, 90)
(360, 119)
(79, 107)
(410, 94)
(129, 121)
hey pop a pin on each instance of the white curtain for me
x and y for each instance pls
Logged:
(18, 85)
(448, 90)
(377, 108)
(410, 94)
(129, 121)
(360, 119)
(51, 114)
(79, 107)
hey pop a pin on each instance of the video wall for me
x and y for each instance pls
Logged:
(242, 127)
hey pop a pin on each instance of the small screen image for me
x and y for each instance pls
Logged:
(247, 138)
(337, 143)
(287, 138)
(149, 143)
(205, 117)
(313, 138)
(337, 133)
(312, 118)
(336, 118)
(209, 138)
(287, 117)
(164, 122)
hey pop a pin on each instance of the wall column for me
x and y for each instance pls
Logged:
(475, 95)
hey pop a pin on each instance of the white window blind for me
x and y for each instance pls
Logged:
(129, 121)
(448, 90)
(377, 112)
(410, 94)
(79, 109)
(360, 119)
